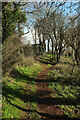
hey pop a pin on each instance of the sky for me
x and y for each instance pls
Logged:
(30, 17)
(30, 38)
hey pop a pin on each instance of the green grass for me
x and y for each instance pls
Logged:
(47, 58)
(19, 93)
(19, 89)
(66, 87)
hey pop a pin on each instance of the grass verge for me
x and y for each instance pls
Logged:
(19, 93)
(66, 85)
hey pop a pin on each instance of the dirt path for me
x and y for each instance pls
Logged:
(46, 98)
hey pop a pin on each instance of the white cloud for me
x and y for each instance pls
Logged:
(29, 37)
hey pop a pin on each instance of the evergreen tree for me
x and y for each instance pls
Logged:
(12, 17)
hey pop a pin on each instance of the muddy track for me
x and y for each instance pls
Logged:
(46, 98)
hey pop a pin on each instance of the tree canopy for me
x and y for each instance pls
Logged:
(12, 17)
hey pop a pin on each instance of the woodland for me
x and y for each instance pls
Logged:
(41, 79)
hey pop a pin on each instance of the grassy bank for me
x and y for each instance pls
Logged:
(66, 84)
(19, 92)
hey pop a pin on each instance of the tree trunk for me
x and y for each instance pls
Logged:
(19, 30)
(52, 48)
(48, 45)
(60, 50)
(35, 41)
(43, 43)
(39, 35)
(76, 57)
(57, 56)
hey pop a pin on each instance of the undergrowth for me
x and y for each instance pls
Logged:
(48, 59)
(66, 86)
(19, 92)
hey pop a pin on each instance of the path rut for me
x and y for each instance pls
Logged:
(46, 105)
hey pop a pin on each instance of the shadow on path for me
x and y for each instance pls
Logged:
(44, 115)
(46, 103)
